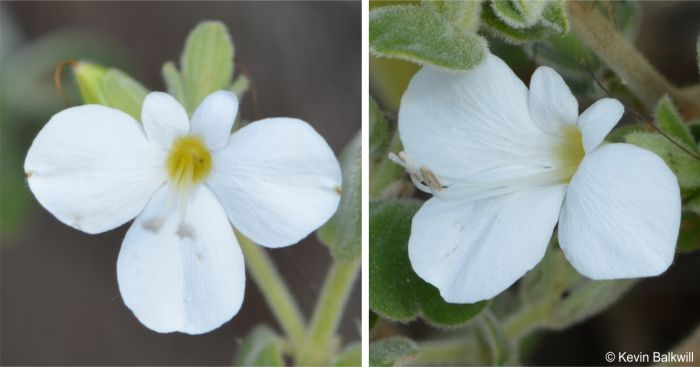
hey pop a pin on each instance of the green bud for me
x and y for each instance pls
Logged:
(88, 77)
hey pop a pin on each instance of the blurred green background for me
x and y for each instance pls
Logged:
(59, 302)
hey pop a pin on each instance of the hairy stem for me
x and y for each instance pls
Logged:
(600, 34)
(320, 337)
(524, 321)
(273, 288)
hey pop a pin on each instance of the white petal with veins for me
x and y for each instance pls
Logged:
(175, 281)
(214, 118)
(475, 123)
(277, 179)
(621, 215)
(93, 168)
(550, 100)
(164, 119)
(473, 250)
(598, 120)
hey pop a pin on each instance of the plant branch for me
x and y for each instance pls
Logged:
(273, 288)
(600, 34)
(320, 337)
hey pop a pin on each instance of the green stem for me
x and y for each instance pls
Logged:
(643, 80)
(456, 351)
(270, 283)
(320, 337)
(524, 321)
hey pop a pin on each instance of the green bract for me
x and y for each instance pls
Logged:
(518, 22)
(425, 35)
(395, 291)
(343, 232)
(685, 166)
(391, 351)
(109, 87)
(262, 347)
(206, 65)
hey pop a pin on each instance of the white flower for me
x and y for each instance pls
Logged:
(505, 164)
(180, 267)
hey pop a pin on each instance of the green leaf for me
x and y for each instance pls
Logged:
(122, 92)
(373, 318)
(391, 351)
(343, 232)
(419, 34)
(671, 123)
(554, 17)
(174, 83)
(684, 165)
(379, 132)
(207, 61)
(693, 204)
(395, 291)
(462, 14)
(552, 22)
(351, 356)
(689, 237)
(262, 347)
(519, 14)
(88, 77)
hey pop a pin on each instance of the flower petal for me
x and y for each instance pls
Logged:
(277, 179)
(621, 214)
(597, 120)
(214, 117)
(450, 123)
(93, 168)
(473, 250)
(164, 119)
(191, 283)
(551, 102)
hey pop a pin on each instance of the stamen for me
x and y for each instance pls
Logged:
(424, 179)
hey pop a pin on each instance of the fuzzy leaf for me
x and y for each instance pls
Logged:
(379, 131)
(262, 347)
(685, 166)
(395, 291)
(420, 35)
(463, 14)
(122, 92)
(343, 232)
(671, 123)
(519, 14)
(551, 22)
(689, 237)
(391, 351)
(207, 61)
(173, 82)
(351, 356)
(554, 17)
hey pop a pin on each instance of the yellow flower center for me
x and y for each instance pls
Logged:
(189, 161)
(570, 152)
